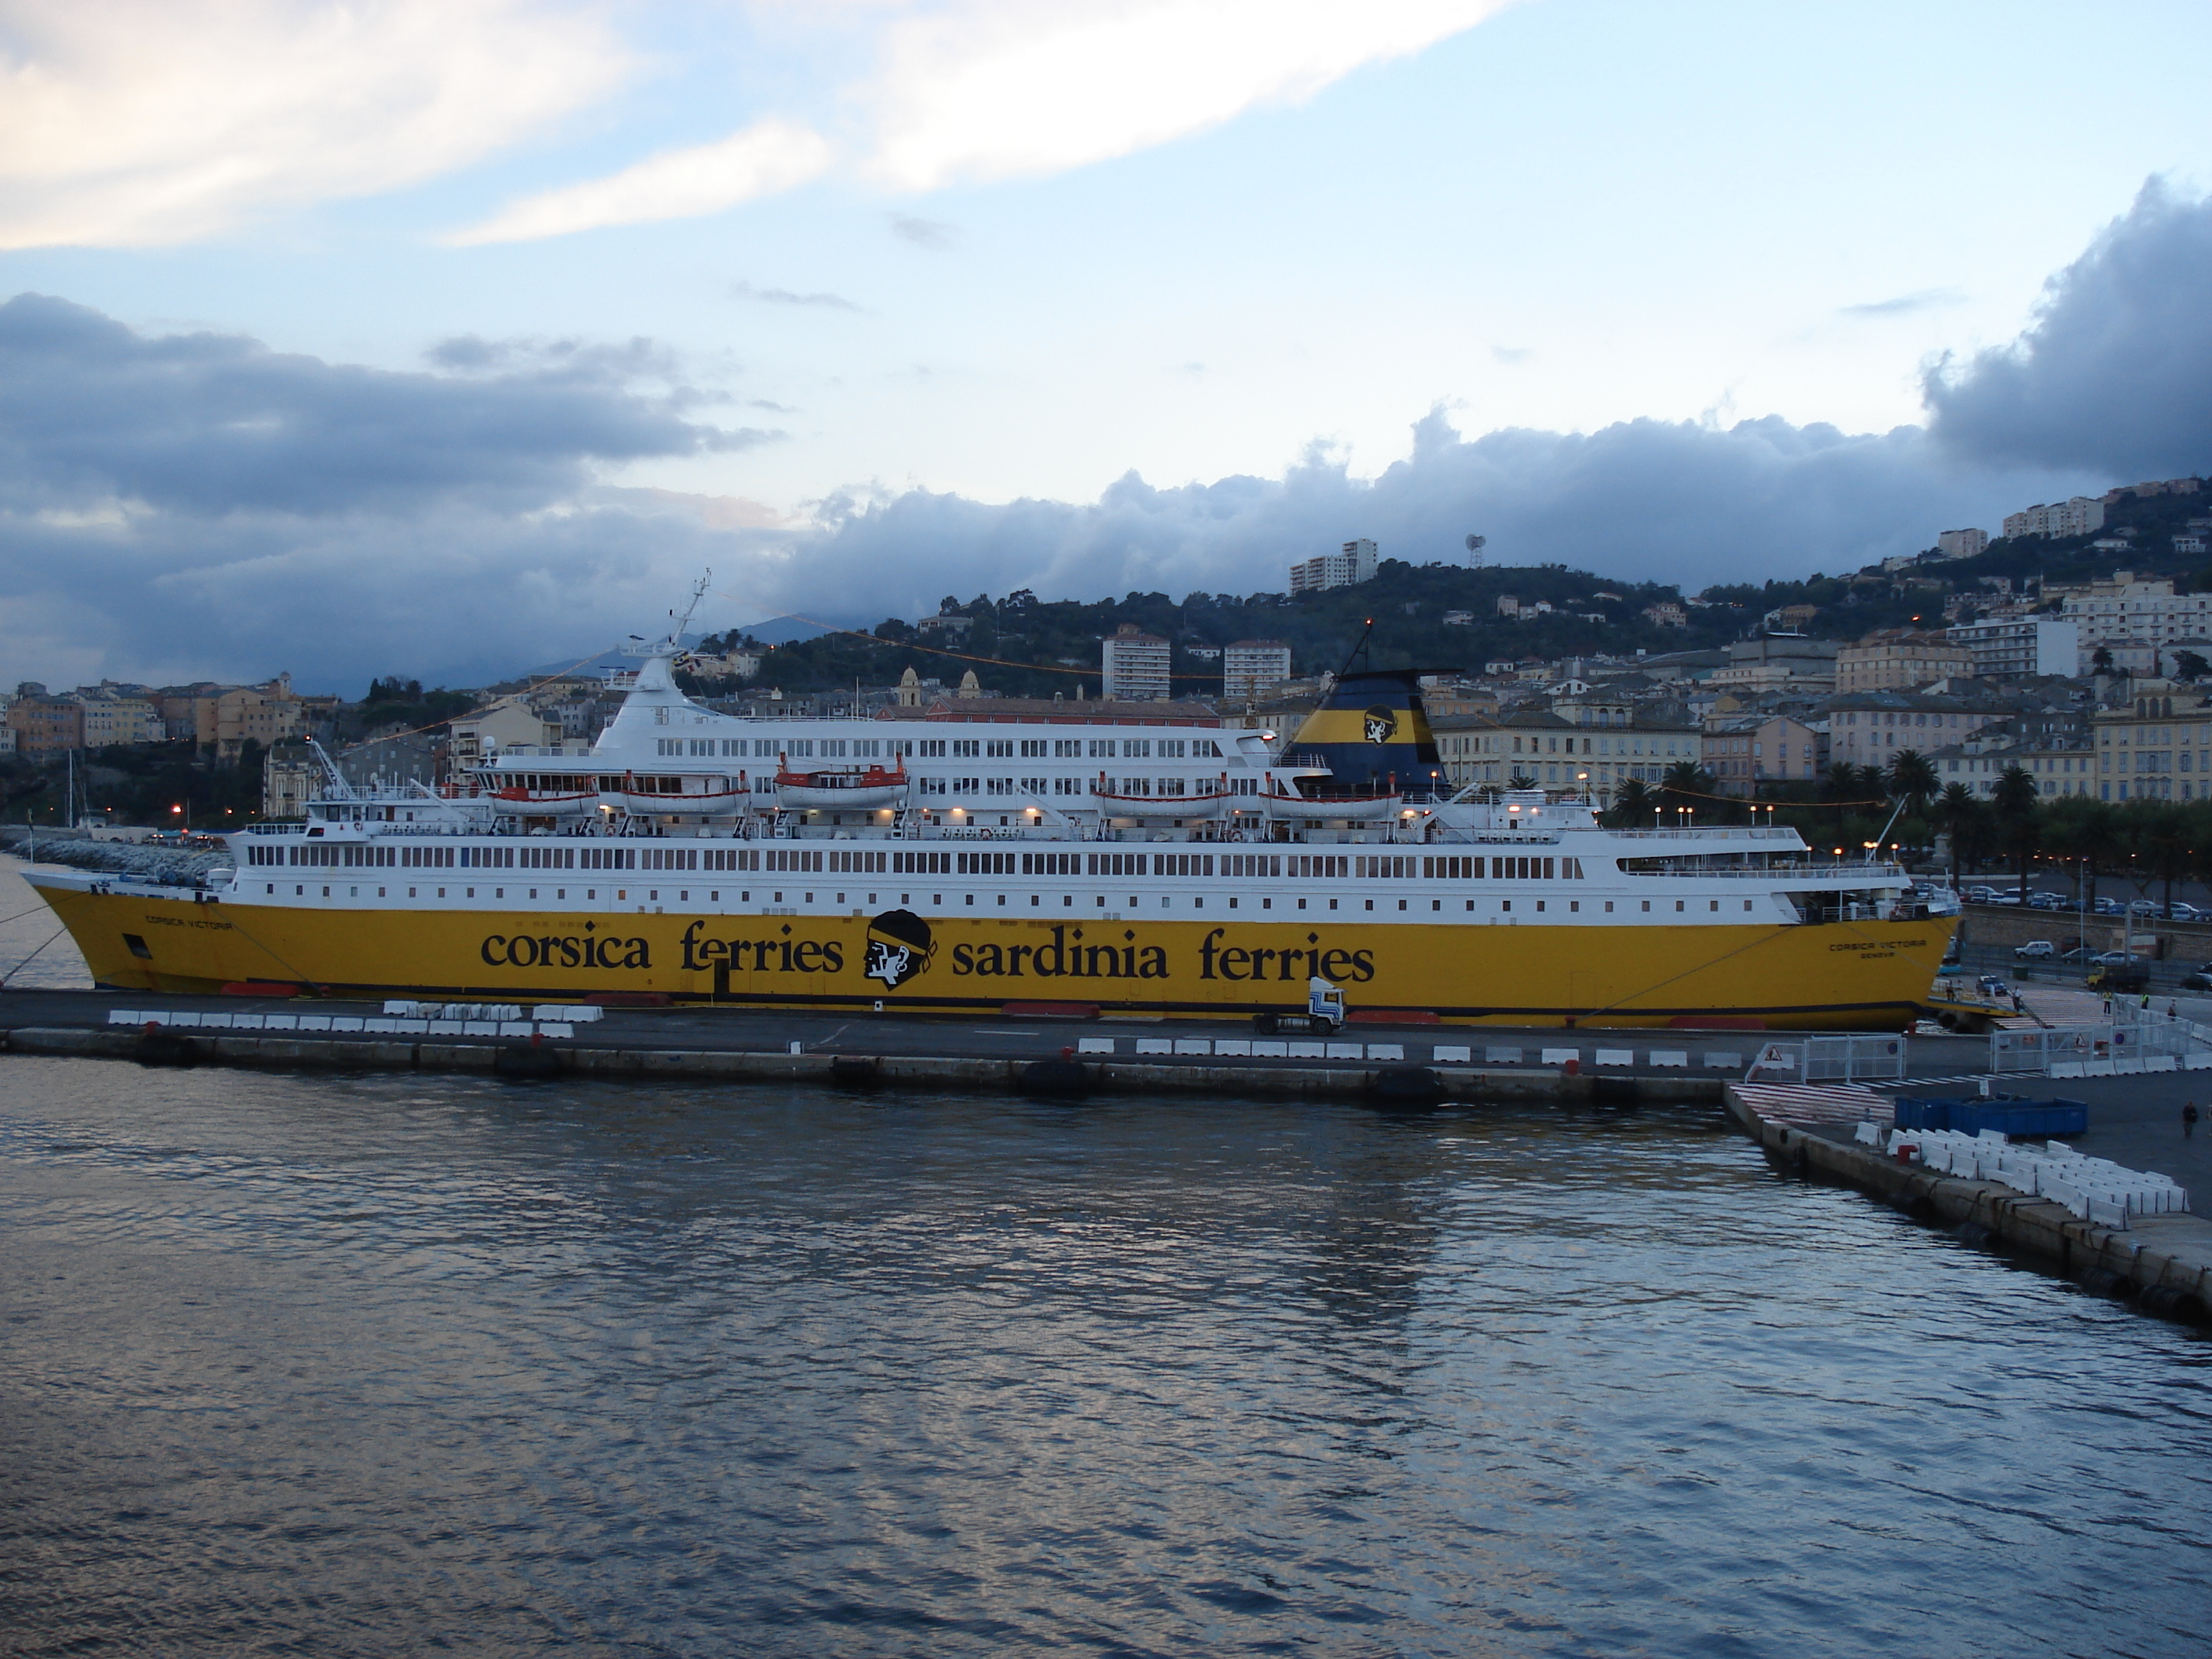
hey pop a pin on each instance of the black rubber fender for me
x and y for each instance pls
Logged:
(167, 1049)
(525, 1060)
(1061, 1079)
(1405, 1085)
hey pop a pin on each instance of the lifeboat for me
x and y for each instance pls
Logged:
(1207, 804)
(644, 796)
(842, 789)
(1278, 803)
(547, 803)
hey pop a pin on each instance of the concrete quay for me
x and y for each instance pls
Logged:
(1615, 1066)
(2163, 1263)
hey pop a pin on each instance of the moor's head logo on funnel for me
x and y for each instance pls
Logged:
(1381, 723)
(898, 947)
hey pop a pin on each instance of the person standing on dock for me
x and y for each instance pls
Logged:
(2189, 1119)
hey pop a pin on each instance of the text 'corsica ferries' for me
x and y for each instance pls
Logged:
(944, 862)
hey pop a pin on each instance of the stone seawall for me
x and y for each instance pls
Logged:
(123, 858)
(2005, 925)
(2165, 1262)
(569, 1059)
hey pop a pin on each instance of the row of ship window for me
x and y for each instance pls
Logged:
(554, 783)
(1389, 866)
(1067, 900)
(940, 748)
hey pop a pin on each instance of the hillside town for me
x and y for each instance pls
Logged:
(2089, 680)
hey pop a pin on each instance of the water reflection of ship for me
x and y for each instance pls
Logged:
(1372, 1243)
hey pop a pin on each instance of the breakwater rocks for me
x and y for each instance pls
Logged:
(179, 865)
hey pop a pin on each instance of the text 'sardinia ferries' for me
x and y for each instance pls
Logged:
(1075, 854)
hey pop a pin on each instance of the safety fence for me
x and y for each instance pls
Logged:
(1830, 1059)
(2134, 1040)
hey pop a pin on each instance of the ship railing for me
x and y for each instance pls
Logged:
(1716, 832)
(1793, 871)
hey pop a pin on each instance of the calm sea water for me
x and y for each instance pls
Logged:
(396, 1365)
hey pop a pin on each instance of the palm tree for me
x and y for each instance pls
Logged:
(1957, 813)
(1689, 784)
(2170, 842)
(1632, 805)
(1912, 780)
(1520, 780)
(2075, 827)
(2016, 802)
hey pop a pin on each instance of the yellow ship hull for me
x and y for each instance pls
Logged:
(1836, 976)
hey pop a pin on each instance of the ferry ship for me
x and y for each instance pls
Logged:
(955, 863)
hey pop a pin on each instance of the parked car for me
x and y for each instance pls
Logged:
(1981, 895)
(2108, 907)
(2144, 908)
(2047, 901)
(2198, 978)
(2036, 950)
(2078, 956)
(2112, 959)
(2179, 911)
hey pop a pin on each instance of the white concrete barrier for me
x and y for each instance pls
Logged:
(1451, 1054)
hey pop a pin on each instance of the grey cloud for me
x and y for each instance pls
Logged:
(933, 234)
(784, 296)
(91, 411)
(1675, 502)
(187, 506)
(1905, 305)
(2115, 375)
(451, 526)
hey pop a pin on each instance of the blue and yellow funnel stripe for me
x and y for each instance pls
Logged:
(1373, 734)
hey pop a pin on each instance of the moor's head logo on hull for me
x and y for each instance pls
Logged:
(899, 947)
(1381, 723)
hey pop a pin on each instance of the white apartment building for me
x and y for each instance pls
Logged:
(2077, 517)
(2019, 645)
(1135, 665)
(1869, 728)
(1962, 544)
(2145, 610)
(1250, 668)
(1355, 564)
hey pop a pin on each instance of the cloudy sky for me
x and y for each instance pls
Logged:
(446, 337)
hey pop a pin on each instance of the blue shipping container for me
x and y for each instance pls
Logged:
(2008, 1114)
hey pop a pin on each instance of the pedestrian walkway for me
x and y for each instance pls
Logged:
(1816, 1106)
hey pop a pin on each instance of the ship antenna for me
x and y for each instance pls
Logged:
(340, 789)
(698, 591)
(1359, 648)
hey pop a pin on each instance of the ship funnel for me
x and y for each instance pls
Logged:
(1373, 734)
